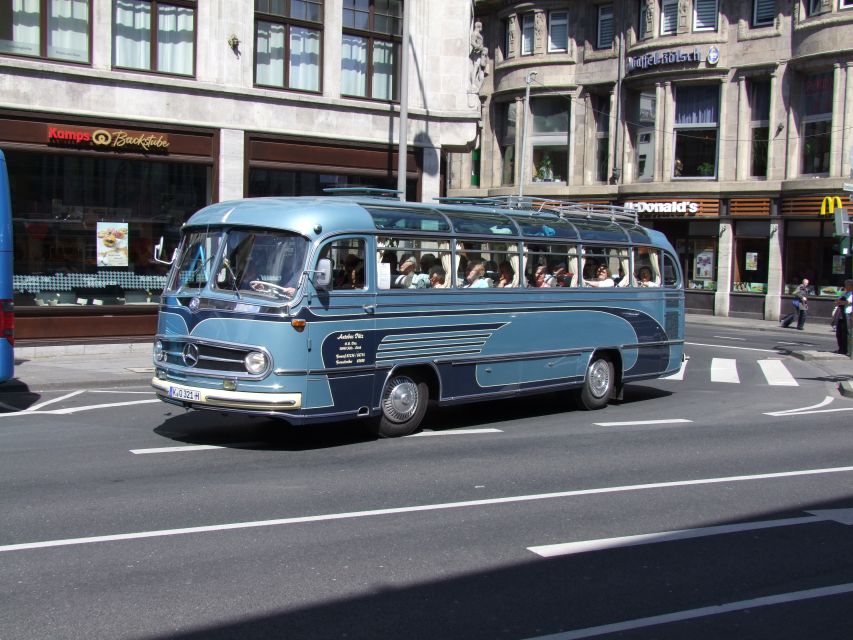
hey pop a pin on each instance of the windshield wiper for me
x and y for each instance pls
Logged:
(227, 264)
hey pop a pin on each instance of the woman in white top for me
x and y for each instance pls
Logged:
(602, 278)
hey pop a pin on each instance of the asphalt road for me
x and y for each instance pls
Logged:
(715, 504)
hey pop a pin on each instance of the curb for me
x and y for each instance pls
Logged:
(107, 348)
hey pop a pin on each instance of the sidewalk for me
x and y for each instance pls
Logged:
(130, 364)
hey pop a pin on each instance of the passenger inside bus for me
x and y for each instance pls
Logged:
(437, 277)
(354, 276)
(602, 278)
(476, 277)
(506, 277)
(645, 278)
(541, 277)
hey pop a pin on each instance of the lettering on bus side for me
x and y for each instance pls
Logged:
(352, 348)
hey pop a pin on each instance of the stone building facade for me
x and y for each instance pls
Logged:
(724, 123)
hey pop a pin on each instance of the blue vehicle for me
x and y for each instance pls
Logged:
(7, 307)
(328, 308)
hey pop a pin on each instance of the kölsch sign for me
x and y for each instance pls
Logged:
(658, 58)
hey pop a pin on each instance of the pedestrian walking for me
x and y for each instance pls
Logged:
(801, 306)
(841, 315)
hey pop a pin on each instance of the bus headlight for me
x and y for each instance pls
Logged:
(159, 354)
(256, 362)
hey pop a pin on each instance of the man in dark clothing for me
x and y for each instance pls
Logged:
(801, 306)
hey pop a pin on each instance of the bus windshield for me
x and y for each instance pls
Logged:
(193, 269)
(261, 262)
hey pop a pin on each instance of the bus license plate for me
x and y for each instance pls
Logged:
(180, 393)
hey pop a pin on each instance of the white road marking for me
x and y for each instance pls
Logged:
(36, 407)
(731, 346)
(115, 391)
(641, 422)
(189, 447)
(419, 508)
(827, 400)
(701, 612)
(724, 370)
(730, 338)
(453, 432)
(777, 373)
(804, 411)
(843, 516)
(70, 410)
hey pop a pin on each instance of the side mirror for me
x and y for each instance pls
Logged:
(323, 275)
(158, 253)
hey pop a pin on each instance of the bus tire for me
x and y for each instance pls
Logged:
(403, 405)
(598, 384)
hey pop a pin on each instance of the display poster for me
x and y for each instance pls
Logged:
(112, 244)
(703, 267)
(838, 265)
(752, 261)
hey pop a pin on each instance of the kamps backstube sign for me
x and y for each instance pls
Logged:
(107, 139)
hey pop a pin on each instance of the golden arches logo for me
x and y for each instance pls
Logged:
(830, 204)
(104, 138)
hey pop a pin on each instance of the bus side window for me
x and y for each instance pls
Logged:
(670, 271)
(347, 256)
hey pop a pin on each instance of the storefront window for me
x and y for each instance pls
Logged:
(751, 256)
(279, 182)
(812, 252)
(696, 118)
(643, 133)
(817, 123)
(695, 243)
(85, 227)
(550, 139)
(66, 37)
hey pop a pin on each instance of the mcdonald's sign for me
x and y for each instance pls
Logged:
(830, 204)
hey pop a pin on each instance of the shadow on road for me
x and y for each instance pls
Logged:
(16, 396)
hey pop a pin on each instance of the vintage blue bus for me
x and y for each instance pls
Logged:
(7, 307)
(328, 308)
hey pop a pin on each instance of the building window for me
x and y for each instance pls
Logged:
(505, 26)
(288, 43)
(507, 141)
(372, 35)
(601, 112)
(550, 139)
(527, 34)
(763, 12)
(696, 121)
(604, 30)
(845, 4)
(668, 17)
(752, 256)
(814, 7)
(558, 32)
(817, 123)
(168, 46)
(643, 132)
(66, 36)
(644, 29)
(812, 252)
(705, 15)
(759, 124)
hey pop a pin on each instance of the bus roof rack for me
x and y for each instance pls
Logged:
(563, 208)
(373, 192)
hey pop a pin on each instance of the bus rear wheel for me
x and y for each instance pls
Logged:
(404, 404)
(598, 384)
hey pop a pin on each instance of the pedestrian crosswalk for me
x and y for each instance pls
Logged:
(772, 372)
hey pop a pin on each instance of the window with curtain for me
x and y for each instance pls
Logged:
(759, 125)
(696, 131)
(604, 27)
(66, 36)
(154, 36)
(845, 4)
(371, 42)
(550, 139)
(527, 34)
(642, 127)
(668, 16)
(705, 15)
(763, 12)
(558, 32)
(815, 141)
(288, 40)
(601, 112)
(814, 7)
(643, 30)
(507, 121)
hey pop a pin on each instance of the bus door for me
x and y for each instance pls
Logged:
(341, 336)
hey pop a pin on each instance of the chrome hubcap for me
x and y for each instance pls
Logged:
(400, 400)
(599, 378)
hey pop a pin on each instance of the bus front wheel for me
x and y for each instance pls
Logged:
(404, 404)
(598, 385)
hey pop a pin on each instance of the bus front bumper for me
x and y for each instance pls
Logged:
(222, 399)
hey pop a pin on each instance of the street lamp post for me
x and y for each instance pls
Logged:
(523, 170)
(402, 151)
